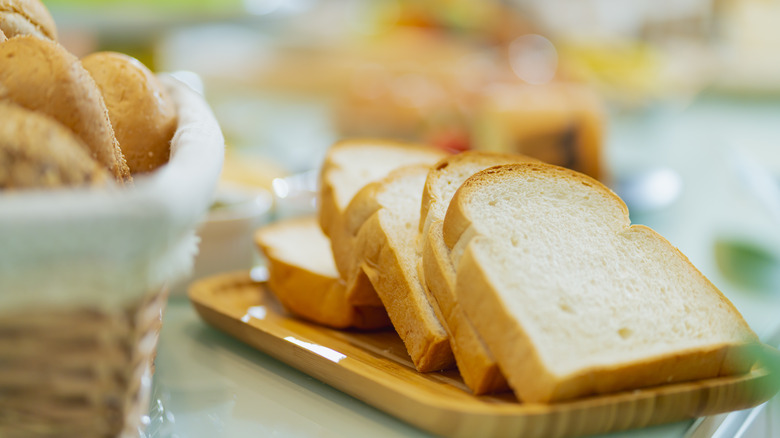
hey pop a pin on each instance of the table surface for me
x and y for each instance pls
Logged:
(208, 384)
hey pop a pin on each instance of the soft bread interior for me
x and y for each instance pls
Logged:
(386, 243)
(303, 276)
(359, 163)
(583, 288)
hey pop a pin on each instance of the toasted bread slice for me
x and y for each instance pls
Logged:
(573, 300)
(477, 366)
(386, 253)
(303, 276)
(348, 167)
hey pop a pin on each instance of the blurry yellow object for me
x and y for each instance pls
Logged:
(627, 72)
(250, 170)
(559, 123)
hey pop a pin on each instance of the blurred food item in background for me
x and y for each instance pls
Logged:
(410, 71)
(250, 170)
(26, 17)
(559, 123)
(746, 41)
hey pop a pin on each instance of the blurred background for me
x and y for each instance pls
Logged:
(674, 104)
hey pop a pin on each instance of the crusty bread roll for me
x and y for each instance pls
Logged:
(42, 76)
(2, 36)
(36, 151)
(141, 112)
(572, 299)
(26, 17)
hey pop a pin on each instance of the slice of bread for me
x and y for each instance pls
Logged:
(304, 279)
(385, 251)
(348, 167)
(572, 299)
(477, 366)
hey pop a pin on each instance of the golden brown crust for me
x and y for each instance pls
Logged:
(482, 158)
(42, 76)
(513, 345)
(397, 284)
(141, 112)
(311, 295)
(476, 364)
(33, 11)
(36, 151)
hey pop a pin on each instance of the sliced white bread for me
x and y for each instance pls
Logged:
(477, 366)
(302, 275)
(386, 214)
(349, 166)
(573, 300)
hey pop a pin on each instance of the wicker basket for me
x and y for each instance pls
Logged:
(82, 372)
(83, 277)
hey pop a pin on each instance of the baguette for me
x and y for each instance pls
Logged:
(573, 300)
(304, 279)
(477, 365)
(385, 252)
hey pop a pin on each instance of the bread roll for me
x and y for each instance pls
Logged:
(26, 17)
(42, 76)
(36, 151)
(142, 114)
(2, 36)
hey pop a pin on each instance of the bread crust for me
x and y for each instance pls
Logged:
(141, 112)
(342, 228)
(477, 365)
(35, 13)
(36, 151)
(312, 295)
(42, 76)
(396, 280)
(514, 347)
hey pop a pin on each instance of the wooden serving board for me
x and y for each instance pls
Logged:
(374, 367)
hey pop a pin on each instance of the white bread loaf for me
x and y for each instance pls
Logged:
(477, 366)
(572, 300)
(385, 251)
(304, 279)
(348, 167)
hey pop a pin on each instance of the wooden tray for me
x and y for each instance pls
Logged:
(374, 367)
